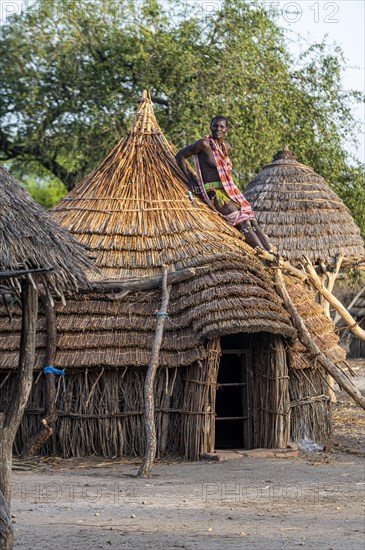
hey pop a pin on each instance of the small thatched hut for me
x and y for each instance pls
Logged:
(302, 215)
(357, 346)
(230, 374)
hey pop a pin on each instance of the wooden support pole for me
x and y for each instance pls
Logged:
(351, 304)
(331, 276)
(50, 417)
(312, 278)
(307, 340)
(278, 261)
(10, 419)
(149, 417)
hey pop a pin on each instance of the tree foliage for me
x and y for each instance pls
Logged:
(73, 71)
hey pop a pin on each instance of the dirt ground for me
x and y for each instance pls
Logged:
(314, 501)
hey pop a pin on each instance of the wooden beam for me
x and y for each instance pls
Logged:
(145, 283)
(351, 304)
(307, 340)
(278, 261)
(149, 417)
(50, 414)
(335, 303)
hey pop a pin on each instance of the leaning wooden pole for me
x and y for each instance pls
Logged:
(11, 417)
(311, 277)
(336, 304)
(351, 304)
(149, 416)
(307, 340)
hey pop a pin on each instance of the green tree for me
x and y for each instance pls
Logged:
(73, 71)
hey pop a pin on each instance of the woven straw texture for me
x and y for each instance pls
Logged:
(301, 214)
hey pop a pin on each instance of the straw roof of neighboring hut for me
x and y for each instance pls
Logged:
(301, 214)
(31, 239)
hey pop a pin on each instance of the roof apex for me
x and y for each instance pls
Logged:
(144, 121)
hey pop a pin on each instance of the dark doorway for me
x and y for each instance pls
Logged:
(232, 426)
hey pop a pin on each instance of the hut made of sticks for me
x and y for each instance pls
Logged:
(231, 373)
(302, 215)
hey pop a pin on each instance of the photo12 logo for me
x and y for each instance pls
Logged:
(8, 9)
(292, 12)
(313, 493)
(68, 493)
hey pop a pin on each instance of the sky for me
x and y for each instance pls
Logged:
(343, 21)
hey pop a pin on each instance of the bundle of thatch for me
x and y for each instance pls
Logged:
(302, 215)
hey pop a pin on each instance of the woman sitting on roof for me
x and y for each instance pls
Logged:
(215, 185)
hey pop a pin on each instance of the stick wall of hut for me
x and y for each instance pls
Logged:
(270, 392)
(198, 414)
(107, 422)
(357, 346)
(310, 407)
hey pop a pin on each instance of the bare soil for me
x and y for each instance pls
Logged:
(314, 501)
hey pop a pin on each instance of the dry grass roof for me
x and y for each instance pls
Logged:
(135, 214)
(301, 214)
(31, 239)
(94, 332)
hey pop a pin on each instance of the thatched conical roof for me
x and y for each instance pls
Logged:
(301, 214)
(31, 239)
(135, 214)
